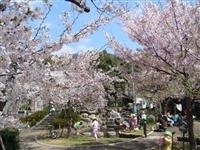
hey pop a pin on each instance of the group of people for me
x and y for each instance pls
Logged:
(133, 122)
(77, 126)
(169, 120)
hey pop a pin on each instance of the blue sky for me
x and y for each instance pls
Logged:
(94, 41)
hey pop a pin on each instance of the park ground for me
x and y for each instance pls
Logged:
(29, 140)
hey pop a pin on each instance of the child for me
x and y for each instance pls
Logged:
(167, 141)
(133, 121)
(95, 128)
(77, 126)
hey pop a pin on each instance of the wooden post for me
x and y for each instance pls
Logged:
(173, 140)
(183, 141)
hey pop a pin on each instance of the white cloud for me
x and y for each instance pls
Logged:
(65, 49)
(82, 46)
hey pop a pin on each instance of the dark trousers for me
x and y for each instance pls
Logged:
(145, 128)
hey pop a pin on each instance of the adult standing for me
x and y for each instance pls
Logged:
(52, 110)
(95, 128)
(144, 123)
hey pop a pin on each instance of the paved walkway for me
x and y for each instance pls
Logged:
(29, 142)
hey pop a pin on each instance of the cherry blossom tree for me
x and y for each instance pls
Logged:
(24, 49)
(77, 80)
(169, 57)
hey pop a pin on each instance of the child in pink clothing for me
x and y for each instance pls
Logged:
(95, 128)
(133, 121)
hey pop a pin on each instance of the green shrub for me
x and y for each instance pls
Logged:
(75, 116)
(46, 109)
(150, 121)
(33, 122)
(34, 117)
(10, 138)
(60, 120)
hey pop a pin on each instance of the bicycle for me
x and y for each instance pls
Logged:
(52, 133)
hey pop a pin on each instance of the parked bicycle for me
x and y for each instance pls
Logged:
(52, 133)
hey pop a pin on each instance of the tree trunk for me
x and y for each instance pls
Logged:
(2, 144)
(189, 111)
(6, 109)
(164, 107)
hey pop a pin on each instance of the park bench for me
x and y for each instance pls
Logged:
(186, 139)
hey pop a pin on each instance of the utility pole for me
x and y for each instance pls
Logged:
(133, 90)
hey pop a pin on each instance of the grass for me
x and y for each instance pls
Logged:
(77, 140)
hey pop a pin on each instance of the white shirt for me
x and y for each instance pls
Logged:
(144, 116)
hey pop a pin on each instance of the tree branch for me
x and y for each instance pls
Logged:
(80, 4)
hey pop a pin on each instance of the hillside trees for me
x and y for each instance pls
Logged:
(169, 57)
(121, 72)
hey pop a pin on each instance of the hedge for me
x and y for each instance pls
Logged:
(10, 137)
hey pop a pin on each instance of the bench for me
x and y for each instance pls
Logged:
(186, 139)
